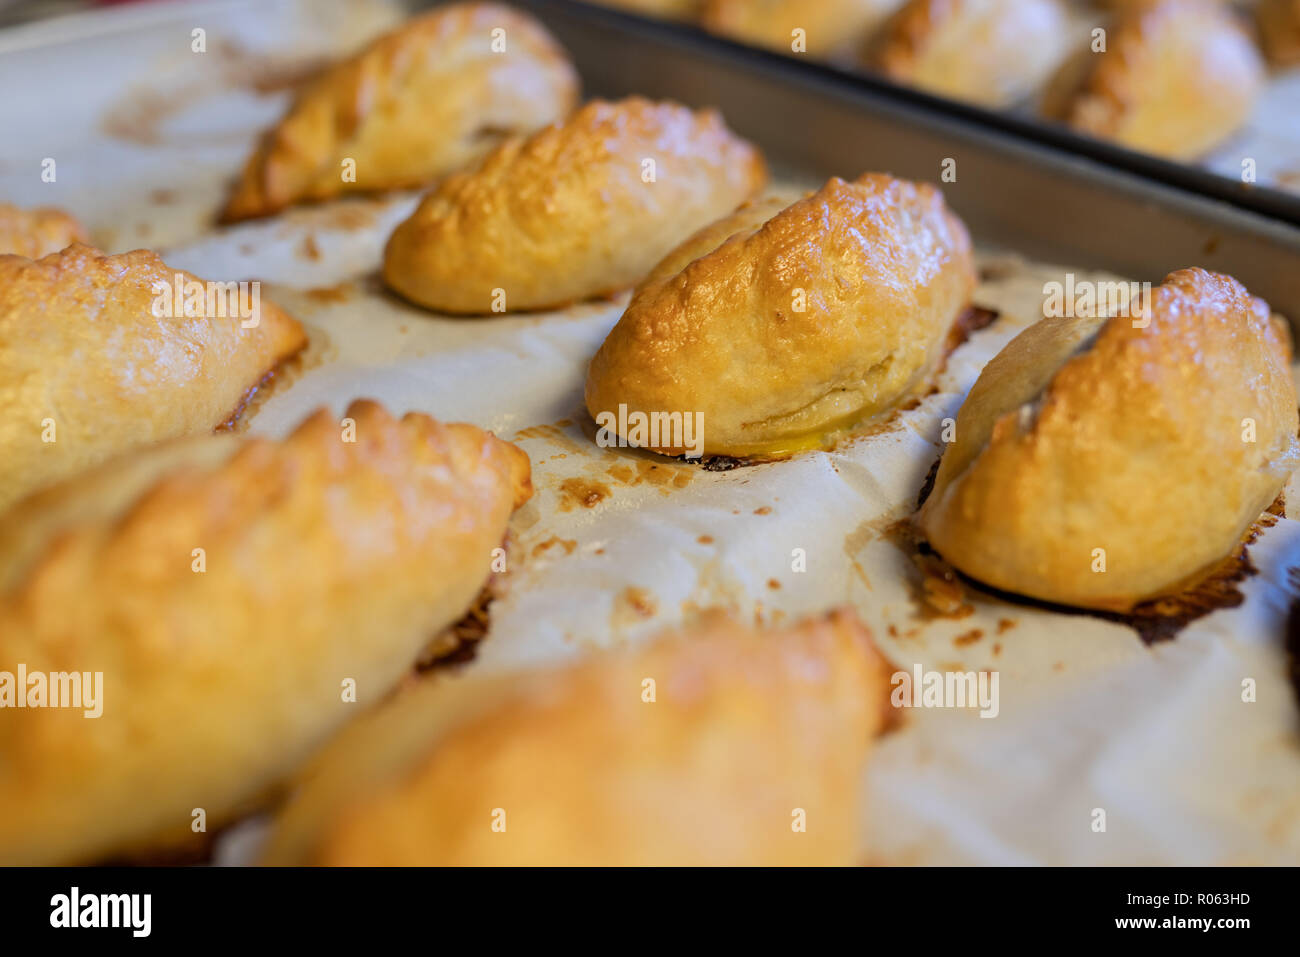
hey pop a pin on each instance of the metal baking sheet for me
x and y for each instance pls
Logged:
(1089, 717)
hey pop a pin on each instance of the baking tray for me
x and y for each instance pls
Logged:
(1020, 184)
(1090, 715)
(1016, 122)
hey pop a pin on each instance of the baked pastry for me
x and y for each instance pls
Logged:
(829, 313)
(1279, 30)
(37, 232)
(744, 220)
(581, 209)
(1157, 445)
(326, 562)
(581, 766)
(990, 52)
(1176, 79)
(422, 101)
(830, 27)
(97, 356)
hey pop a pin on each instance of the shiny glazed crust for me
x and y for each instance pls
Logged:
(34, 233)
(87, 370)
(1177, 78)
(324, 561)
(575, 211)
(882, 269)
(744, 727)
(1087, 434)
(420, 102)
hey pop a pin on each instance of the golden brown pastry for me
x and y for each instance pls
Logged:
(1157, 445)
(831, 312)
(1279, 30)
(37, 232)
(422, 101)
(990, 52)
(1176, 79)
(579, 210)
(97, 356)
(829, 26)
(702, 748)
(326, 565)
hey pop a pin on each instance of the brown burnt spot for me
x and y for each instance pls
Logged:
(773, 584)
(458, 643)
(763, 510)
(276, 379)
(971, 321)
(308, 248)
(660, 475)
(567, 544)
(635, 601)
(328, 295)
(968, 637)
(940, 592)
(1160, 619)
(705, 539)
(997, 648)
(1005, 625)
(1211, 246)
(580, 492)
(927, 486)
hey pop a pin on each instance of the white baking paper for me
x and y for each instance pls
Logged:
(617, 544)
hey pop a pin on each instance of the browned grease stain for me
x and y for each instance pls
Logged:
(1005, 625)
(773, 584)
(567, 544)
(581, 492)
(705, 539)
(968, 637)
(279, 378)
(554, 433)
(309, 248)
(328, 295)
(944, 591)
(632, 604)
(660, 475)
(458, 642)
(763, 510)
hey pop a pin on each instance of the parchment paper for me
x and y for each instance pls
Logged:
(617, 544)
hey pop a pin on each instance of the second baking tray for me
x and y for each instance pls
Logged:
(1014, 187)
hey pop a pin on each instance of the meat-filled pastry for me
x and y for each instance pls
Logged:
(991, 52)
(1279, 30)
(102, 353)
(581, 209)
(1176, 79)
(1101, 463)
(435, 94)
(717, 746)
(230, 601)
(831, 312)
(37, 232)
(829, 27)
